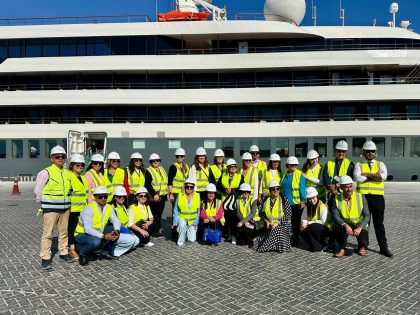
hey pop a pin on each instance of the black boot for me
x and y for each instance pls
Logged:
(83, 260)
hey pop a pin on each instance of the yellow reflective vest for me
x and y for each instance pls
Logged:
(275, 213)
(180, 177)
(135, 180)
(117, 180)
(343, 168)
(354, 214)
(315, 173)
(317, 215)
(56, 192)
(217, 172)
(245, 208)
(79, 193)
(295, 185)
(98, 221)
(249, 178)
(122, 215)
(234, 183)
(202, 178)
(159, 180)
(189, 214)
(212, 208)
(370, 187)
(141, 213)
(266, 179)
(98, 179)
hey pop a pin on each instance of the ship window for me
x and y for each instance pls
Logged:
(236, 113)
(264, 144)
(15, 48)
(380, 146)
(282, 147)
(50, 47)
(90, 46)
(119, 45)
(102, 46)
(49, 144)
(343, 112)
(397, 147)
(201, 114)
(357, 146)
(137, 45)
(17, 149)
(174, 144)
(139, 144)
(209, 144)
(2, 149)
(301, 147)
(81, 47)
(33, 47)
(415, 147)
(3, 50)
(33, 148)
(413, 111)
(244, 145)
(68, 47)
(165, 114)
(320, 146)
(227, 147)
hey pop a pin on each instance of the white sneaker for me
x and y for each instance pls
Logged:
(180, 243)
(150, 244)
(233, 240)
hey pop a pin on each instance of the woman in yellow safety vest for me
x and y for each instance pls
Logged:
(247, 212)
(201, 172)
(187, 213)
(211, 214)
(318, 227)
(140, 218)
(312, 171)
(120, 204)
(114, 174)
(276, 213)
(95, 174)
(79, 194)
(135, 175)
(219, 166)
(273, 172)
(250, 174)
(177, 174)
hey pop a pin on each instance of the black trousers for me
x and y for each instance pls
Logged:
(376, 205)
(246, 235)
(296, 220)
(315, 234)
(73, 220)
(341, 236)
(230, 228)
(157, 210)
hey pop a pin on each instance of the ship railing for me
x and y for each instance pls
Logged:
(261, 16)
(414, 76)
(76, 20)
(208, 84)
(206, 119)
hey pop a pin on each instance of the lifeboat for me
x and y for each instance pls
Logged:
(174, 16)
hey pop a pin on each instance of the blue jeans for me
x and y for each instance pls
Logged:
(185, 231)
(87, 244)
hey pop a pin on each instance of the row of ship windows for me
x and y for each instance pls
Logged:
(282, 146)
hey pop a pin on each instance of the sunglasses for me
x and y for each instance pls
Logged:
(246, 192)
(97, 163)
(255, 153)
(247, 161)
(370, 151)
(232, 166)
(115, 161)
(340, 151)
(137, 160)
(59, 157)
(120, 197)
(275, 189)
(189, 187)
(179, 156)
(79, 165)
(155, 161)
(101, 196)
(142, 196)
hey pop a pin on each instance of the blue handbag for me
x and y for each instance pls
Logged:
(212, 236)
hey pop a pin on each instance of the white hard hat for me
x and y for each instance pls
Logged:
(292, 160)
(344, 180)
(254, 148)
(120, 191)
(57, 150)
(113, 156)
(154, 156)
(342, 145)
(275, 157)
(136, 155)
(211, 188)
(189, 180)
(100, 190)
(97, 158)
(273, 183)
(369, 145)
(245, 187)
(230, 162)
(246, 156)
(180, 151)
(311, 192)
(219, 152)
(77, 158)
(312, 154)
(200, 151)
(141, 190)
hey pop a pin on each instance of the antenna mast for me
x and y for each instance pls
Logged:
(341, 14)
(313, 12)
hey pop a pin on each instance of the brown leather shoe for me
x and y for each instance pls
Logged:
(361, 251)
(73, 254)
(340, 253)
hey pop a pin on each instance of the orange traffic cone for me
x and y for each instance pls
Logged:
(15, 187)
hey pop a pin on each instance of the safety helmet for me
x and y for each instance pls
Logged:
(275, 157)
(113, 156)
(57, 150)
(369, 145)
(189, 180)
(254, 148)
(136, 155)
(342, 145)
(311, 192)
(344, 180)
(100, 190)
(120, 191)
(141, 190)
(273, 183)
(200, 151)
(154, 156)
(246, 156)
(312, 154)
(180, 151)
(77, 158)
(211, 188)
(97, 158)
(219, 152)
(292, 160)
(230, 162)
(245, 187)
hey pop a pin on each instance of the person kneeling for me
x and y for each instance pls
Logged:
(187, 213)
(91, 234)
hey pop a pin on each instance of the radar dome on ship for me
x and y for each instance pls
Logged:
(285, 10)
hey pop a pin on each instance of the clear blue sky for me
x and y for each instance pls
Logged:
(358, 12)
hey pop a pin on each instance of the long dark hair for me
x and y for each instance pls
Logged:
(132, 168)
(197, 164)
(114, 203)
(102, 170)
(310, 209)
(270, 167)
(306, 166)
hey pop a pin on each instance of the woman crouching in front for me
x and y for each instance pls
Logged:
(211, 213)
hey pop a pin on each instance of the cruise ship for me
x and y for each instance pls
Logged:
(130, 84)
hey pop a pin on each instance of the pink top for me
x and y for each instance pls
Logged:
(218, 216)
(41, 180)
(91, 185)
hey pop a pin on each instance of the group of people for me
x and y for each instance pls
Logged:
(108, 210)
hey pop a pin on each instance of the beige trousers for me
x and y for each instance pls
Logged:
(51, 220)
